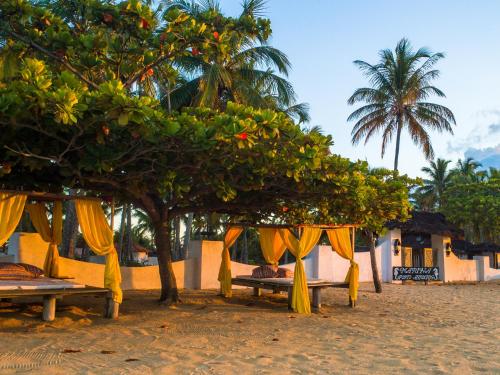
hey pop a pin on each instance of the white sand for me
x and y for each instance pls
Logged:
(451, 329)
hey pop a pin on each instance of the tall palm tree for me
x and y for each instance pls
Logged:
(252, 73)
(439, 179)
(396, 100)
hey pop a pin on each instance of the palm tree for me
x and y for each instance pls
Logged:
(494, 173)
(434, 187)
(466, 170)
(400, 86)
(252, 73)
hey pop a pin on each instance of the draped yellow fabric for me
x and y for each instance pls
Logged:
(271, 244)
(11, 211)
(51, 234)
(99, 236)
(300, 248)
(340, 240)
(225, 265)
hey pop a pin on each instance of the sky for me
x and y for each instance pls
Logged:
(323, 37)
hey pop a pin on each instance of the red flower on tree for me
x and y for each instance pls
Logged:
(242, 136)
(108, 18)
(216, 35)
(144, 24)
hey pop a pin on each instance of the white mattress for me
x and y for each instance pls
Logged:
(39, 283)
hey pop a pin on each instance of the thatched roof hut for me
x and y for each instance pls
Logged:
(427, 223)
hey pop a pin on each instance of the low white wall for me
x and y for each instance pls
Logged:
(327, 264)
(30, 248)
(485, 272)
(201, 269)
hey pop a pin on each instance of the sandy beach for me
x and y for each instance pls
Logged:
(439, 329)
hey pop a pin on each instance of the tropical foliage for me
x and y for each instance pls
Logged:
(401, 84)
(75, 113)
(469, 197)
(250, 73)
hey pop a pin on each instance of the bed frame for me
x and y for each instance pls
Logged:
(286, 285)
(51, 295)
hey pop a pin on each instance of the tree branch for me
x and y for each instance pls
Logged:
(54, 56)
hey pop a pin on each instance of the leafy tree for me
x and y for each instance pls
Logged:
(397, 99)
(474, 206)
(71, 117)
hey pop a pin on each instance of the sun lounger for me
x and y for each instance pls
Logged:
(286, 285)
(51, 289)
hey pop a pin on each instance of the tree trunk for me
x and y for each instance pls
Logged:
(177, 236)
(398, 139)
(244, 252)
(187, 235)
(122, 231)
(169, 292)
(373, 259)
(128, 235)
(70, 230)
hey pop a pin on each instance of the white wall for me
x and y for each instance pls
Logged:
(327, 264)
(201, 269)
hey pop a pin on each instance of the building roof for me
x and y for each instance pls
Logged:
(422, 222)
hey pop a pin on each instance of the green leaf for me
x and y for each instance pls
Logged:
(123, 119)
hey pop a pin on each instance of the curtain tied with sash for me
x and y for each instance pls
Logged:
(225, 265)
(49, 233)
(340, 240)
(300, 248)
(99, 236)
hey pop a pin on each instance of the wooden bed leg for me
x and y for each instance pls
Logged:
(290, 293)
(317, 298)
(112, 308)
(49, 308)
(257, 292)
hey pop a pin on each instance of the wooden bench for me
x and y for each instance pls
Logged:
(286, 285)
(50, 295)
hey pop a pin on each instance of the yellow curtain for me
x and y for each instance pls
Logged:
(225, 265)
(11, 210)
(99, 236)
(340, 240)
(51, 234)
(300, 248)
(271, 244)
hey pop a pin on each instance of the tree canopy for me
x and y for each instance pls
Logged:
(74, 113)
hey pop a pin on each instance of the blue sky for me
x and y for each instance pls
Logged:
(323, 37)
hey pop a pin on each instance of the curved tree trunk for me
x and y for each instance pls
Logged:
(376, 279)
(169, 291)
(398, 139)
